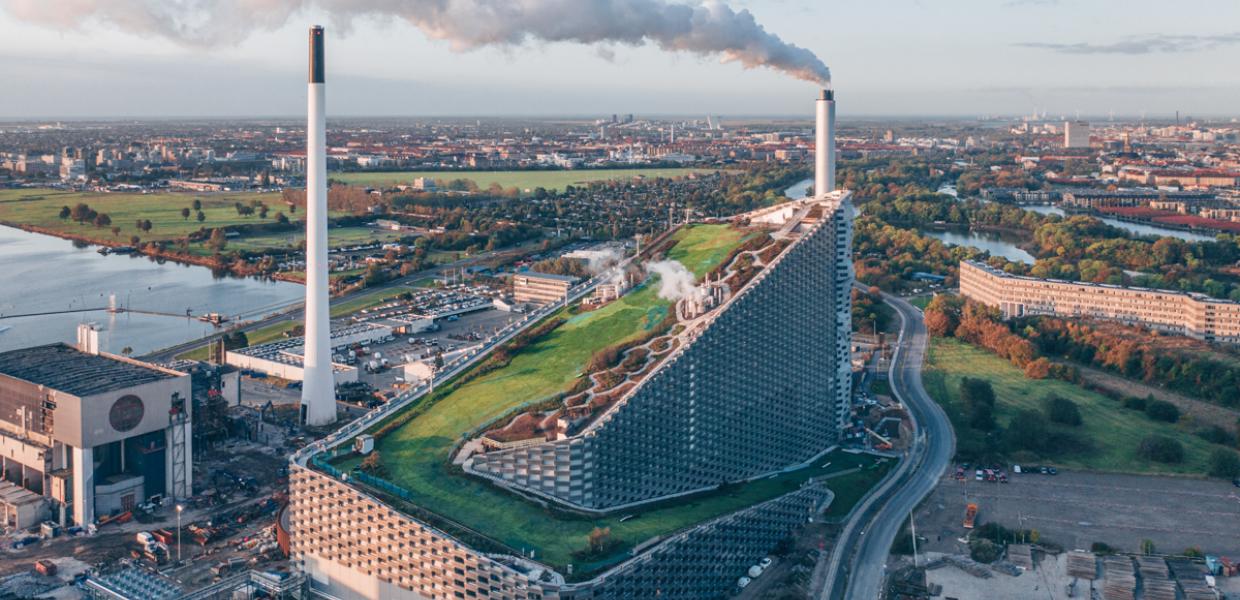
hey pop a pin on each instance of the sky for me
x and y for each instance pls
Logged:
(887, 58)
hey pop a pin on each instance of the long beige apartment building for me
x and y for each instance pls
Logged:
(1194, 315)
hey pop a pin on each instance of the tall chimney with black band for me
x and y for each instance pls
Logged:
(318, 392)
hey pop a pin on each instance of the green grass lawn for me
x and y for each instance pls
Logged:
(1112, 431)
(920, 301)
(700, 248)
(41, 207)
(337, 236)
(416, 454)
(522, 180)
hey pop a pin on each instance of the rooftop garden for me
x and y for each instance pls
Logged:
(536, 372)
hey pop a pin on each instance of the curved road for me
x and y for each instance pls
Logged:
(866, 539)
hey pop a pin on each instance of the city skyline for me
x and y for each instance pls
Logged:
(917, 60)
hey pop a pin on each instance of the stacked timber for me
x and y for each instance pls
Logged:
(1158, 588)
(1083, 565)
(1152, 567)
(1121, 578)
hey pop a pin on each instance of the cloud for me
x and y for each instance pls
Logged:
(1153, 44)
(704, 28)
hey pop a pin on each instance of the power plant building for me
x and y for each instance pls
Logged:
(541, 288)
(90, 434)
(1193, 315)
(753, 380)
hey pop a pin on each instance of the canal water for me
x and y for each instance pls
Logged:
(40, 273)
(996, 244)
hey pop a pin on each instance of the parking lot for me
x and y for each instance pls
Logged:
(468, 330)
(1076, 509)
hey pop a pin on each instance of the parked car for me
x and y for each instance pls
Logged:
(742, 582)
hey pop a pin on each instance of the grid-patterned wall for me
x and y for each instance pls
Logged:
(765, 386)
(353, 546)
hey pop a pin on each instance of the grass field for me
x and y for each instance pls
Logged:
(1112, 431)
(702, 247)
(921, 301)
(41, 207)
(525, 181)
(416, 454)
(337, 236)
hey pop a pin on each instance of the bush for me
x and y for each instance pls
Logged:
(1135, 404)
(1101, 548)
(1160, 410)
(984, 551)
(1224, 463)
(1217, 434)
(1161, 448)
(1062, 410)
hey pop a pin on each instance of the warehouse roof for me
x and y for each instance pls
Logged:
(67, 369)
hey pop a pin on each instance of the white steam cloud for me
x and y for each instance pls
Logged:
(675, 281)
(604, 259)
(701, 27)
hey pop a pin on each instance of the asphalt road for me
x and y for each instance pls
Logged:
(857, 564)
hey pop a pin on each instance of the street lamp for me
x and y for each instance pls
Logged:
(180, 509)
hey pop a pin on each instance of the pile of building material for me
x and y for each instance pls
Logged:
(1020, 555)
(963, 563)
(1192, 579)
(1158, 588)
(1121, 579)
(1082, 565)
(1152, 567)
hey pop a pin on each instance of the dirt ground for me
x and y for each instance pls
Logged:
(1077, 509)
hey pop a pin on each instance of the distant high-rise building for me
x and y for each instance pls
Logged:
(1075, 134)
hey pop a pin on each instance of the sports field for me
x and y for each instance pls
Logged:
(416, 454)
(524, 181)
(1111, 431)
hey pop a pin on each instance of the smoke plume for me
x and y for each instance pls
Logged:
(701, 27)
(606, 258)
(675, 281)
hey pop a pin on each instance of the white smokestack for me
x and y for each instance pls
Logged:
(824, 145)
(318, 392)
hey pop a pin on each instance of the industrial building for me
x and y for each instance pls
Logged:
(285, 358)
(91, 434)
(541, 288)
(759, 382)
(1194, 315)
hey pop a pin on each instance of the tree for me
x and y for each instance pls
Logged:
(197, 205)
(65, 212)
(1027, 431)
(218, 240)
(262, 211)
(1147, 547)
(235, 340)
(102, 220)
(1224, 463)
(185, 213)
(943, 315)
(133, 240)
(146, 225)
(1062, 410)
(599, 539)
(978, 398)
(81, 213)
(201, 217)
(372, 464)
(1160, 448)
(1161, 410)
(127, 350)
(281, 218)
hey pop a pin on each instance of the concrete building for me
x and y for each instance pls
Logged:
(541, 288)
(285, 358)
(1194, 315)
(92, 433)
(1075, 134)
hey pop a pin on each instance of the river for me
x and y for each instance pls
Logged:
(44, 273)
